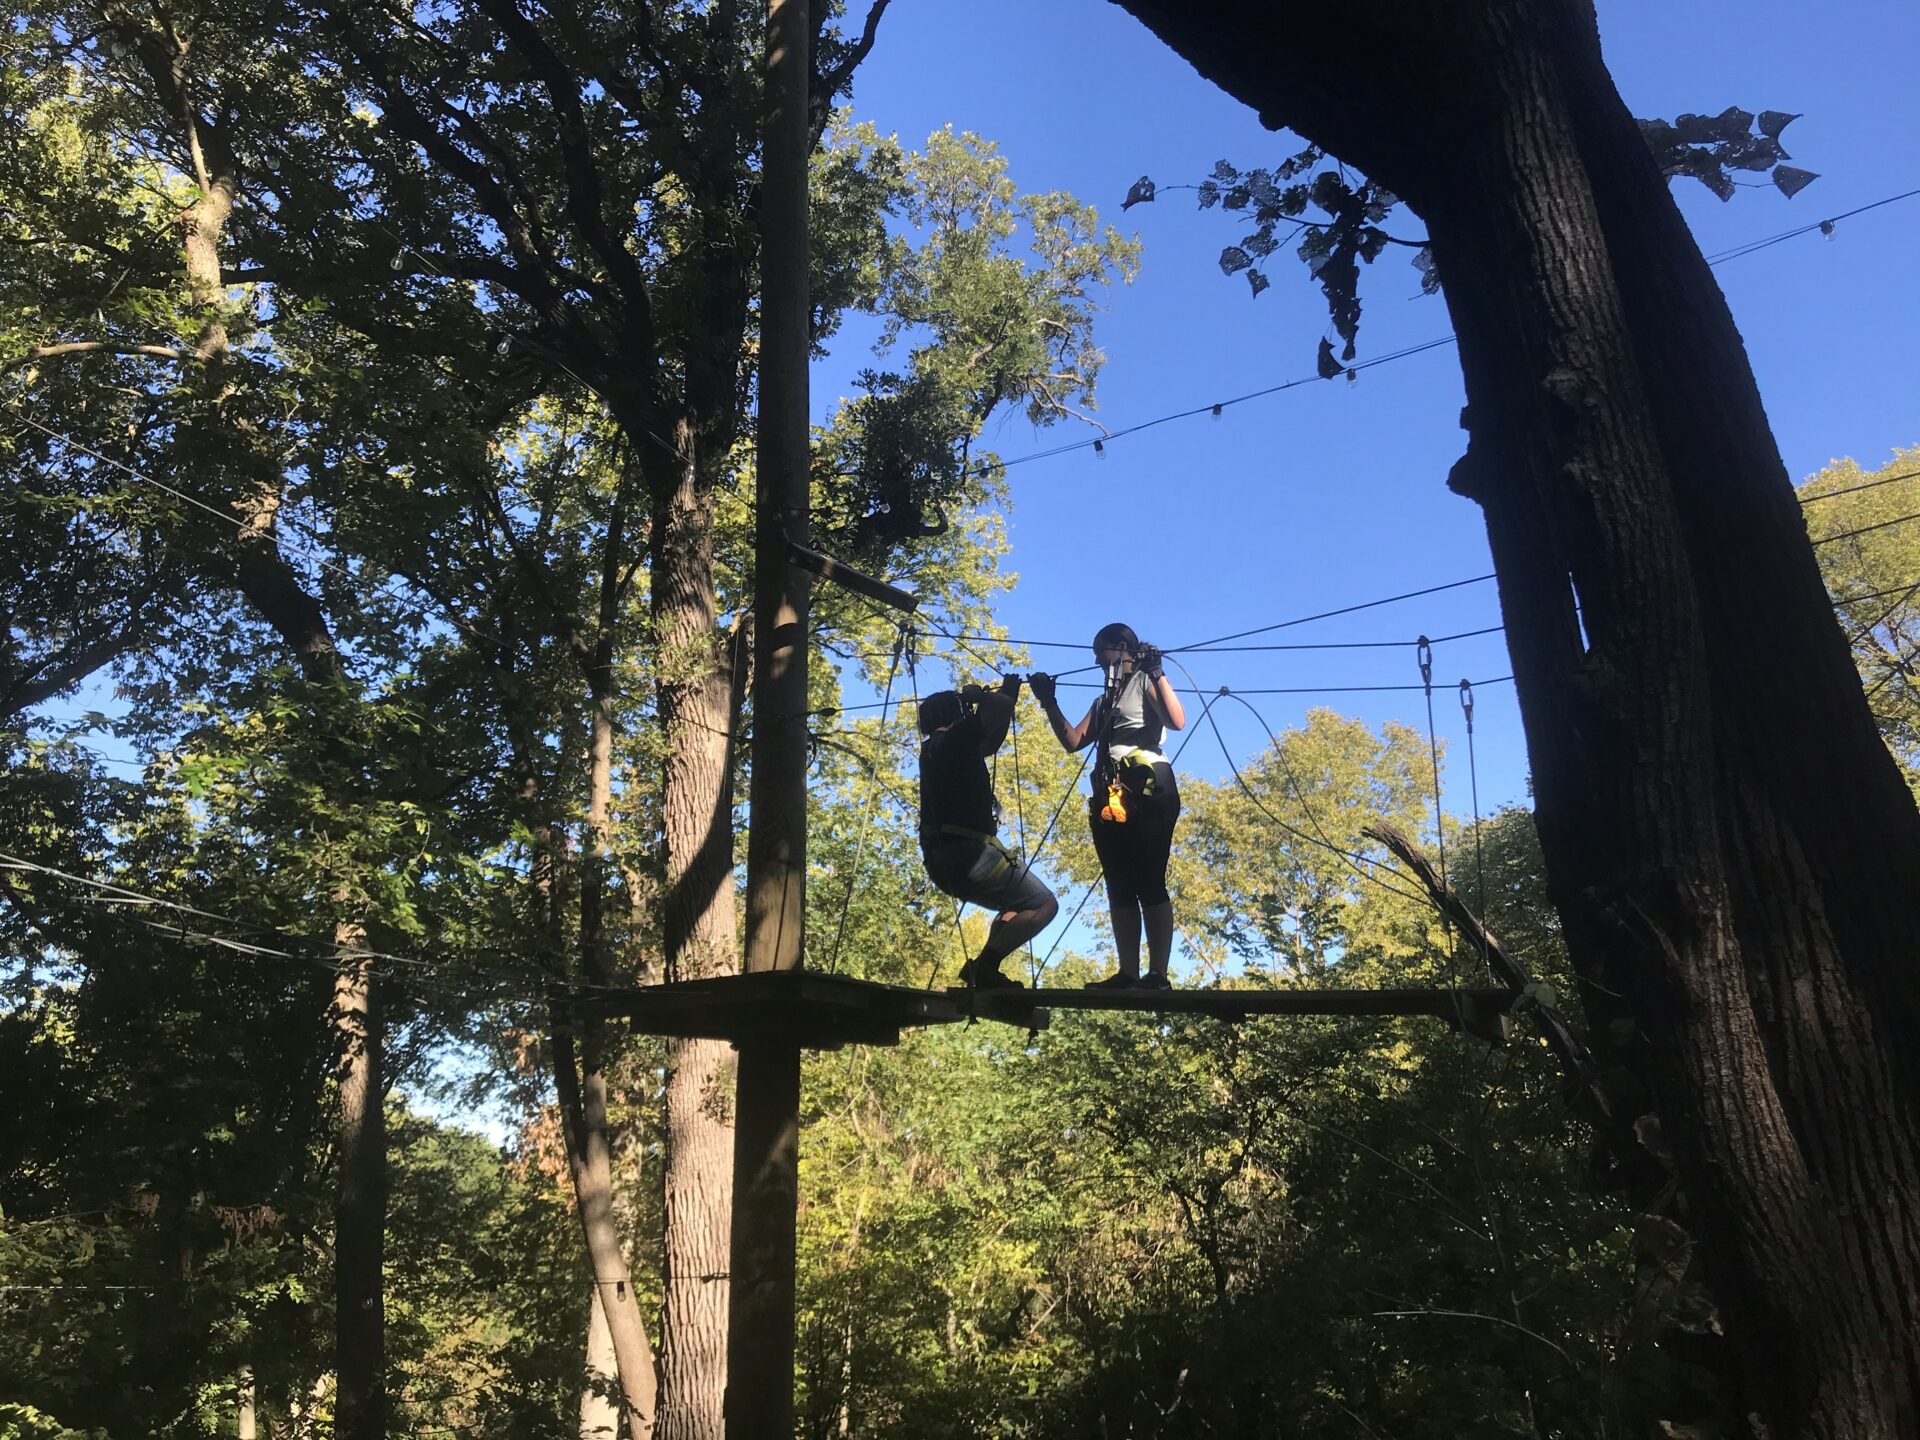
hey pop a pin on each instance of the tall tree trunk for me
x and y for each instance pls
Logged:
(247, 1423)
(1727, 841)
(600, 1396)
(360, 1209)
(697, 712)
(582, 1087)
(580, 1090)
(360, 1137)
(275, 592)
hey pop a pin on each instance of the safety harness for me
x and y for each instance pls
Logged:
(1130, 774)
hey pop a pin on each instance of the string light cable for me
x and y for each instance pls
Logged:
(357, 583)
(410, 969)
(1216, 408)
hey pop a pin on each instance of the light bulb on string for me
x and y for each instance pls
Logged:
(1826, 228)
(399, 260)
(504, 346)
(1100, 449)
(1216, 412)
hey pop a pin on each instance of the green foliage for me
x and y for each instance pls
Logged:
(359, 699)
(23, 1422)
(1869, 566)
(1138, 1224)
(983, 327)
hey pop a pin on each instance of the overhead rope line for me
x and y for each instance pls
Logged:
(1220, 643)
(1826, 226)
(1868, 529)
(1856, 489)
(306, 951)
(1099, 443)
(1218, 647)
(1329, 614)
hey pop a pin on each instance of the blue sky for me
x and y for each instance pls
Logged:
(1328, 495)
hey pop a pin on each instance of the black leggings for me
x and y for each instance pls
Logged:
(1133, 854)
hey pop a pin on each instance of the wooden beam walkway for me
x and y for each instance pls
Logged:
(826, 1012)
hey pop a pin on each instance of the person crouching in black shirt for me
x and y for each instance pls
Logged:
(960, 820)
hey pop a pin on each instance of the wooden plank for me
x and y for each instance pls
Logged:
(1480, 1011)
(828, 1011)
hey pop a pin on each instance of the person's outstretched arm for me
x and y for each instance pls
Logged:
(995, 711)
(1072, 737)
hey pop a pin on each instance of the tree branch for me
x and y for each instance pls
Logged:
(72, 665)
(96, 347)
(585, 198)
(829, 84)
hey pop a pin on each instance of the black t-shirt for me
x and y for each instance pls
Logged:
(955, 788)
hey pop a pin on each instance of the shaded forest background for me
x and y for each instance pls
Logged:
(335, 482)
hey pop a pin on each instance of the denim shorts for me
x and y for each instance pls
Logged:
(984, 875)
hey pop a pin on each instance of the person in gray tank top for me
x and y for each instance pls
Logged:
(1136, 800)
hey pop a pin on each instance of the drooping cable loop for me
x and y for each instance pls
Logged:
(866, 813)
(1362, 866)
(1423, 657)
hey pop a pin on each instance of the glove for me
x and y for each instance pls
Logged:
(1146, 659)
(1010, 686)
(1042, 687)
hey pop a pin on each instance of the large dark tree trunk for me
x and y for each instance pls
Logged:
(1728, 842)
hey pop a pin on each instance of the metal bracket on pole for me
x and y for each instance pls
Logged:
(848, 578)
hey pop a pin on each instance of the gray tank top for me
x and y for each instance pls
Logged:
(1134, 725)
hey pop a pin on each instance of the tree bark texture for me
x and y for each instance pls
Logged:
(1728, 842)
(580, 1081)
(696, 689)
(360, 1208)
(247, 1420)
(600, 1405)
(582, 1092)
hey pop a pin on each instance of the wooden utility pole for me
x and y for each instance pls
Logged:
(766, 1148)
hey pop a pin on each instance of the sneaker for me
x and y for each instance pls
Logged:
(1154, 982)
(1121, 981)
(978, 976)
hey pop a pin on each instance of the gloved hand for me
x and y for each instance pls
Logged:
(1146, 659)
(1010, 686)
(1042, 687)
